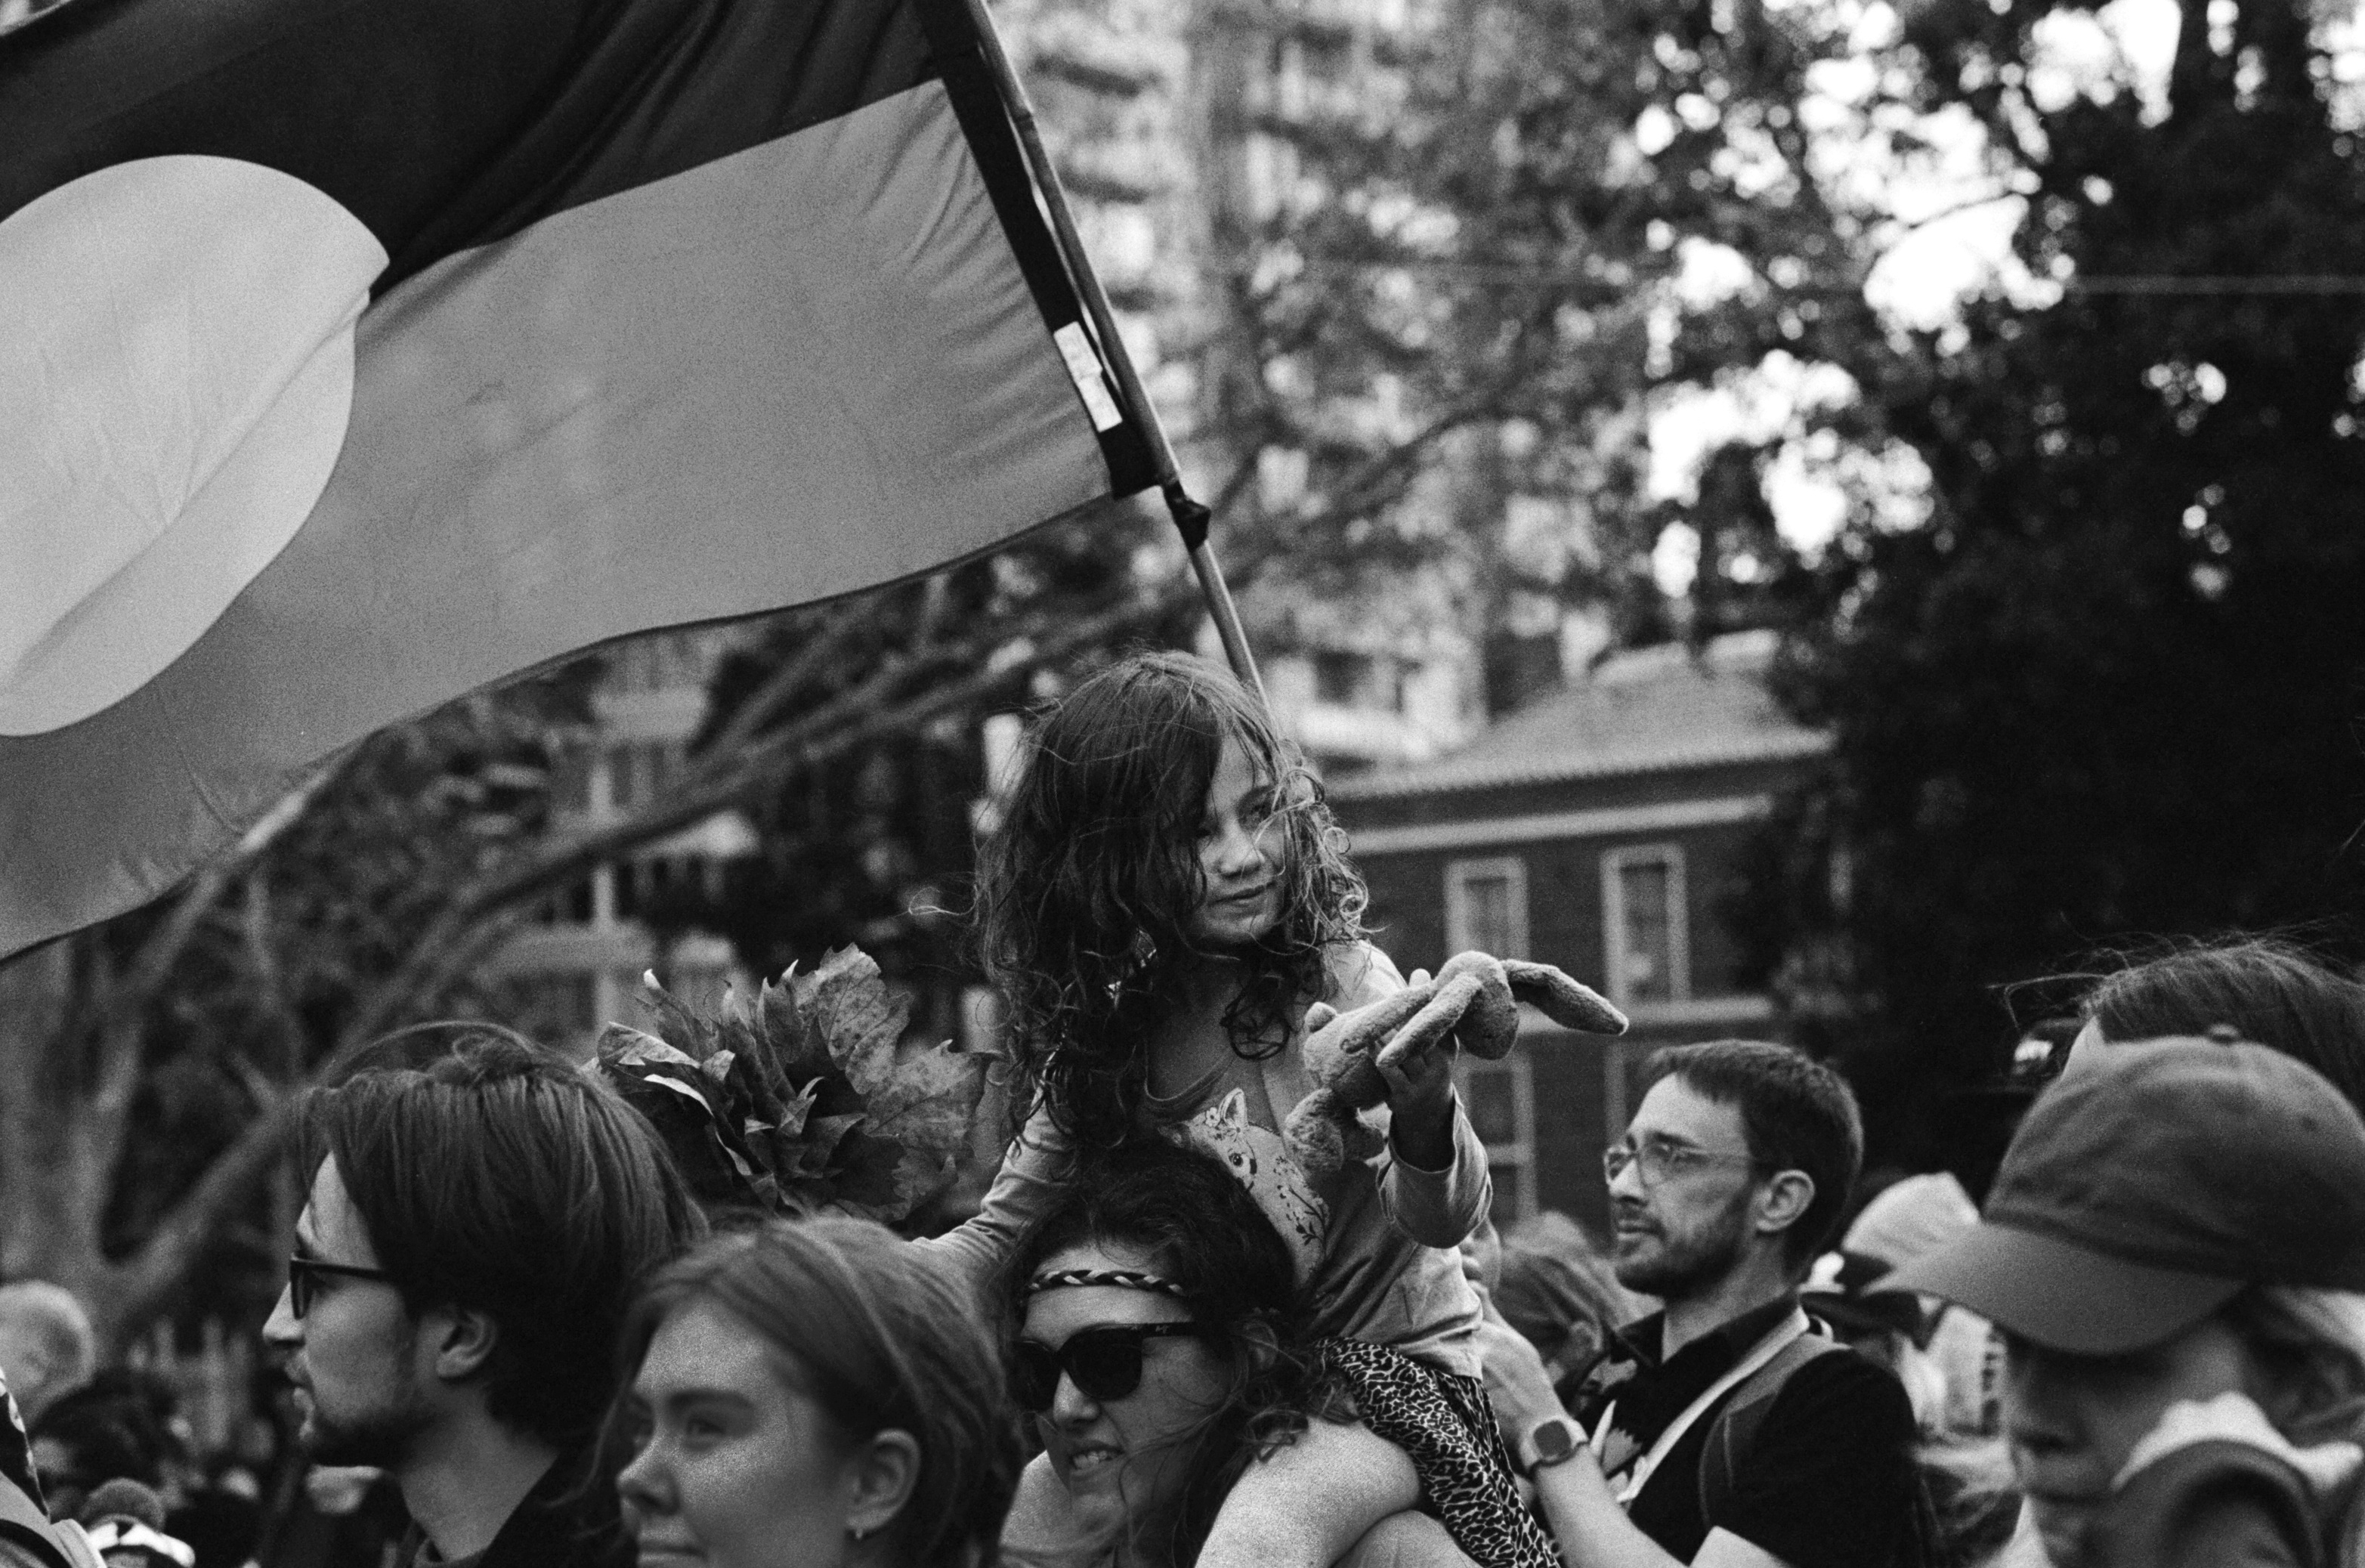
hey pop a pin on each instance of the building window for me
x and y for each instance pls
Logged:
(1486, 906)
(1341, 677)
(577, 904)
(1500, 1098)
(665, 661)
(1642, 911)
(556, 1008)
(639, 772)
(570, 782)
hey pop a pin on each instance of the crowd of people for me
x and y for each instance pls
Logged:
(1163, 1341)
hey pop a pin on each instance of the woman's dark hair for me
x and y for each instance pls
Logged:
(2262, 988)
(1089, 880)
(872, 1332)
(1204, 1233)
(504, 1178)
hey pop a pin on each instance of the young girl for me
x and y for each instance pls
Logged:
(1167, 911)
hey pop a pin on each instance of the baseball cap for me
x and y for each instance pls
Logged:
(1851, 1291)
(2145, 1191)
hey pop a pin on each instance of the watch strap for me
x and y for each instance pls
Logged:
(1550, 1440)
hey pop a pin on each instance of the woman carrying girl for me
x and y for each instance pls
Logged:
(1167, 911)
(1159, 1342)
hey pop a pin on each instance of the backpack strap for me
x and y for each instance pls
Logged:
(24, 1525)
(1733, 1432)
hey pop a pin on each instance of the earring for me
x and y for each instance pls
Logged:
(858, 1531)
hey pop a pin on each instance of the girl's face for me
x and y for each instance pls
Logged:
(738, 1469)
(1123, 1460)
(2073, 1420)
(1239, 855)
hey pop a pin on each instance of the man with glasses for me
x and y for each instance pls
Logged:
(1724, 1430)
(473, 1234)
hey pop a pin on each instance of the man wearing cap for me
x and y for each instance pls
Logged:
(1724, 1430)
(2172, 1247)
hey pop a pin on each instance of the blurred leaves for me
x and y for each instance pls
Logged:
(804, 1098)
(2112, 686)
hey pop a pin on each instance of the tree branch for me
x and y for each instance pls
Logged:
(483, 917)
(768, 699)
(154, 961)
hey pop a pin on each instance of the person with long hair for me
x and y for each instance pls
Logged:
(1167, 911)
(1159, 1344)
(2268, 990)
(812, 1394)
(2174, 1249)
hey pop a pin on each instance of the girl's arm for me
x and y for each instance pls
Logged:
(1033, 1168)
(1438, 1208)
(1434, 1184)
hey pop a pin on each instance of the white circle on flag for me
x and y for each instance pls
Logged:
(176, 372)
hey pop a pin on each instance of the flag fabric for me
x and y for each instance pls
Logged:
(355, 355)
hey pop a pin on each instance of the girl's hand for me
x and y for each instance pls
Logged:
(1421, 1105)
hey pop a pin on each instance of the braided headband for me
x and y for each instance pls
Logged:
(1124, 1279)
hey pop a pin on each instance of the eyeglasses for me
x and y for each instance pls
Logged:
(1655, 1158)
(1105, 1362)
(304, 1276)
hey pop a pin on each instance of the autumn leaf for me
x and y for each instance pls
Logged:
(856, 1014)
(813, 1098)
(679, 1028)
(799, 1055)
(630, 1048)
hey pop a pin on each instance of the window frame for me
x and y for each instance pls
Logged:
(1519, 1154)
(1614, 863)
(1459, 874)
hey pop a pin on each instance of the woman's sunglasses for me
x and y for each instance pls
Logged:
(1104, 1363)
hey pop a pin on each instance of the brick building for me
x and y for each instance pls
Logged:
(1596, 829)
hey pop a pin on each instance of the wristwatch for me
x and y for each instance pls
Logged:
(1550, 1440)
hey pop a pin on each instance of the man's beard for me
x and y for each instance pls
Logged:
(381, 1436)
(1677, 1270)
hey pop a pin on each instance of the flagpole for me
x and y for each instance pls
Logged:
(1191, 516)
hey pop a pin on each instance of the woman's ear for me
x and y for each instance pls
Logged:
(879, 1477)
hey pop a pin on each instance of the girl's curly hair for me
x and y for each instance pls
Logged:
(1088, 882)
(1203, 1231)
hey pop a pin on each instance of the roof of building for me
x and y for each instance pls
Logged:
(1650, 710)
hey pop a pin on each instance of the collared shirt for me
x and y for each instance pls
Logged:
(1828, 1481)
(570, 1520)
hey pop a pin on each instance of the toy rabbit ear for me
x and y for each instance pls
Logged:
(1563, 1000)
(1369, 1026)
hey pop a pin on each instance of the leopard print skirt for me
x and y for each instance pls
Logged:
(1445, 1424)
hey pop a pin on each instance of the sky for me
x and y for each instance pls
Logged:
(1948, 237)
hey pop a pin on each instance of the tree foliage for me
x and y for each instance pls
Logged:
(1503, 239)
(2111, 686)
(803, 1098)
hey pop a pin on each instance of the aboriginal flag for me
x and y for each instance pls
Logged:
(357, 354)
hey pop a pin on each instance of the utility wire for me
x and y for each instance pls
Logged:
(2294, 285)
